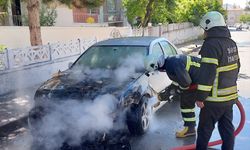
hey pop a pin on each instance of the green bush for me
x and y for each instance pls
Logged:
(245, 18)
(2, 48)
(47, 16)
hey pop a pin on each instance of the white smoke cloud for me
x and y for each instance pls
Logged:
(128, 67)
(72, 120)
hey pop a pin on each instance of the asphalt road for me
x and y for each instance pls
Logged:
(167, 120)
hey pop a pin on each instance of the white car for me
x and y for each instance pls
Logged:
(113, 66)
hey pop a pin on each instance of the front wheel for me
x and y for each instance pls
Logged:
(138, 118)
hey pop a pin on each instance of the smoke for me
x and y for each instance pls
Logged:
(23, 141)
(71, 120)
(129, 66)
(75, 121)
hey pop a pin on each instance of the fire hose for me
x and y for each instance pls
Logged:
(217, 142)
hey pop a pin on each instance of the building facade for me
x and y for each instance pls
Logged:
(110, 13)
(233, 16)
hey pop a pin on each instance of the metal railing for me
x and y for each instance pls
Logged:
(21, 57)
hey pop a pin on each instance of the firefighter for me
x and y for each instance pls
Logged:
(183, 71)
(217, 90)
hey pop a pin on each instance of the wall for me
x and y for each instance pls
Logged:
(26, 67)
(64, 16)
(233, 16)
(177, 33)
(16, 37)
(21, 78)
(181, 33)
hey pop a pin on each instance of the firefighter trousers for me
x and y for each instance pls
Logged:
(209, 115)
(188, 107)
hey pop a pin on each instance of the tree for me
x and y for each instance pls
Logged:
(34, 22)
(245, 18)
(193, 10)
(135, 9)
(4, 5)
(164, 12)
(156, 11)
(247, 8)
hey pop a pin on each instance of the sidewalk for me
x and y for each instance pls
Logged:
(15, 106)
(190, 47)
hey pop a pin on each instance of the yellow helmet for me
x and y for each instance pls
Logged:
(212, 19)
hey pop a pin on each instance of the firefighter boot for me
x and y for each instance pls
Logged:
(187, 131)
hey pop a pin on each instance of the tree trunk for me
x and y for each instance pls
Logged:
(148, 13)
(34, 22)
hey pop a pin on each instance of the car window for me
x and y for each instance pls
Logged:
(168, 48)
(157, 50)
(109, 57)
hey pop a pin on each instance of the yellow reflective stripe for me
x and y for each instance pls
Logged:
(209, 60)
(195, 64)
(222, 99)
(175, 83)
(187, 110)
(215, 85)
(227, 91)
(216, 81)
(227, 68)
(188, 63)
(189, 119)
(204, 87)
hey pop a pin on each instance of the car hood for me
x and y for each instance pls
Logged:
(64, 85)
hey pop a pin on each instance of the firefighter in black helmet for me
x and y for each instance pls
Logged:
(217, 90)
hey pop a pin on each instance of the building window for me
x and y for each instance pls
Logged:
(86, 15)
(92, 11)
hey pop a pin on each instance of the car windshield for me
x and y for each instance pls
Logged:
(110, 57)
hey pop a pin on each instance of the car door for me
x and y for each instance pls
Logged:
(158, 81)
(168, 49)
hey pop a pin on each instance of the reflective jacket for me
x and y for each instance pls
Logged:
(219, 67)
(183, 70)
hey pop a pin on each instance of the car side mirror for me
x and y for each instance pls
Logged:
(70, 64)
(151, 73)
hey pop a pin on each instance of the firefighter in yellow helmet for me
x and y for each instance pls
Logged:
(217, 90)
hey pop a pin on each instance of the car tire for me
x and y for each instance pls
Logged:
(138, 118)
(34, 119)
